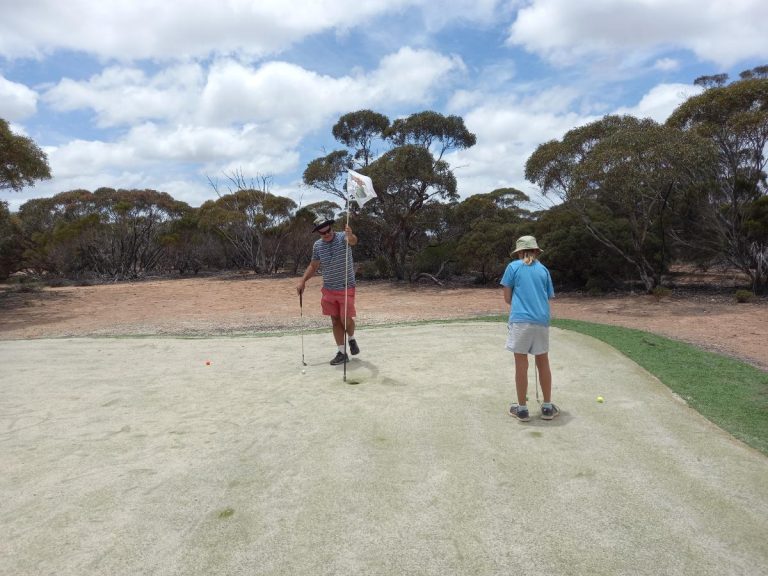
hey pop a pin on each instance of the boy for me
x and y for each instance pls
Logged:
(528, 288)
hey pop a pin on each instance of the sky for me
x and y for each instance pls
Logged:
(178, 96)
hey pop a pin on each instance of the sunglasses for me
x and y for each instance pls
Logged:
(324, 232)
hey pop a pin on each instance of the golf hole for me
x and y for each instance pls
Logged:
(353, 382)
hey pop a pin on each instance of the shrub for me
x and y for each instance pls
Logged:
(743, 296)
(373, 269)
(28, 287)
(661, 292)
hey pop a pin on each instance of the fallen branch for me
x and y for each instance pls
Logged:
(429, 277)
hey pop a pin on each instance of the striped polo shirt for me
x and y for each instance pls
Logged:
(331, 256)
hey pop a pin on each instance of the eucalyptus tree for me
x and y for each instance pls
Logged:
(409, 175)
(644, 173)
(485, 227)
(109, 232)
(735, 118)
(11, 247)
(135, 221)
(22, 162)
(251, 220)
(359, 131)
(574, 257)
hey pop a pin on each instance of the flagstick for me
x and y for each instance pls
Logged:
(346, 271)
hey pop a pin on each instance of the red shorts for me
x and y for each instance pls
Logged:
(332, 302)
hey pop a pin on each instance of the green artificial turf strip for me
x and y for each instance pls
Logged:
(730, 393)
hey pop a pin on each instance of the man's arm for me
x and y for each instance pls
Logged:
(507, 294)
(308, 273)
(351, 238)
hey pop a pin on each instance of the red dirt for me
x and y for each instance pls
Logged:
(244, 303)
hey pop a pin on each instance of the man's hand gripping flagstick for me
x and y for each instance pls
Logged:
(360, 190)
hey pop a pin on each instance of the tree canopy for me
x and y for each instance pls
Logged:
(734, 117)
(644, 173)
(408, 175)
(22, 162)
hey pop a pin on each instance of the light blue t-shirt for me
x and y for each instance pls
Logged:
(531, 290)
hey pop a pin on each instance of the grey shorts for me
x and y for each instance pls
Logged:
(525, 338)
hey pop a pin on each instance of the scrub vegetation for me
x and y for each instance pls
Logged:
(631, 198)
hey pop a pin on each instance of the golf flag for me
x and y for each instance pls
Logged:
(359, 188)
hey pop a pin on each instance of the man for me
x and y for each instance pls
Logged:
(328, 255)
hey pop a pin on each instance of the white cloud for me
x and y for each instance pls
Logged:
(567, 32)
(661, 101)
(666, 64)
(230, 117)
(410, 76)
(139, 29)
(508, 131)
(510, 128)
(80, 158)
(17, 101)
(144, 29)
(284, 99)
(121, 96)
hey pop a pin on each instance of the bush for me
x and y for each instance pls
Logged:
(367, 271)
(28, 287)
(57, 282)
(373, 269)
(661, 292)
(743, 296)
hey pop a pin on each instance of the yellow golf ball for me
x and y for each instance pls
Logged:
(600, 399)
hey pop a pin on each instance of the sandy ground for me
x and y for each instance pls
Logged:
(245, 304)
(190, 457)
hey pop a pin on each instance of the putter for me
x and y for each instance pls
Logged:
(301, 329)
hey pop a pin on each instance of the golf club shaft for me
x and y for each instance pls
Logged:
(301, 328)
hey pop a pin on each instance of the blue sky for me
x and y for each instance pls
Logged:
(140, 94)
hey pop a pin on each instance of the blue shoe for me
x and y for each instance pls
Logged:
(519, 412)
(549, 413)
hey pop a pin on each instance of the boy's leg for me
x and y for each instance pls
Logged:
(545, 375)
(521, 377)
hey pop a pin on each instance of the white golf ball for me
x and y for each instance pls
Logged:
(303, 371)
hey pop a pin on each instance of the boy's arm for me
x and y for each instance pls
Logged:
(507, 294)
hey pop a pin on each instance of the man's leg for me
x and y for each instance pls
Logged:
(338, 330)
(338, 335)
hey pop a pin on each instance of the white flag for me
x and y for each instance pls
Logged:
(359, 188)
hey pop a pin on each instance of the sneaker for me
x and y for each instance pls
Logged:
(353, 347)
(340, 358)
(519, 412)
(549, 413)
